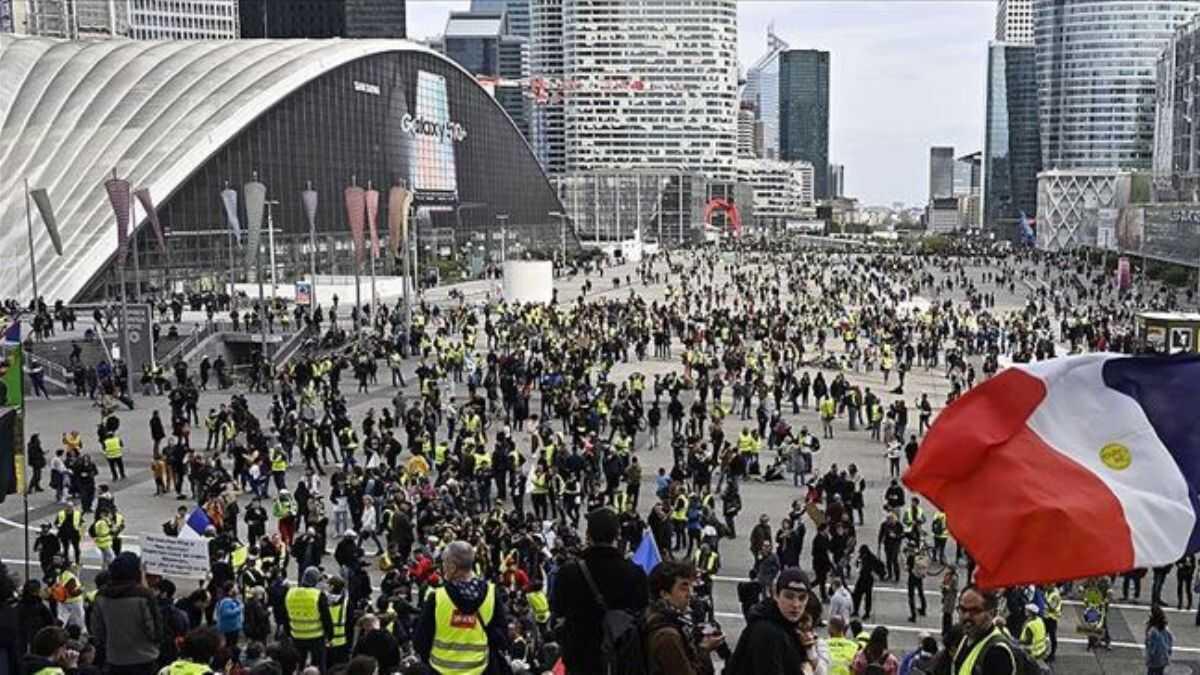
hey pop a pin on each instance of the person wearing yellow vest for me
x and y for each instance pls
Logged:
(101, 532)
(463, 626)
(828, 410)
(69, 523)
(539, 603)
(113, 452)
(199, 648)
(308, 619)
(279, 467)
(68, 592)
(340, 612)
(842, 649)
(983, 644)
(50, 653)
(1033, 634)
(1054, 605)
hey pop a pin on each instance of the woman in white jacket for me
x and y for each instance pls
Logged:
(369, 524)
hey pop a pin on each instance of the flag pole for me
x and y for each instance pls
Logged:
(19, 435)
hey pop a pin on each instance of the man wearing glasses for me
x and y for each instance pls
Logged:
(984, 648)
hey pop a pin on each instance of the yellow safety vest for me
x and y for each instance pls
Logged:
(112, 448)
(51, 670)
(182, 667)
(76, 519)
(1054, 605)
(841, 655)
(304, 613)
(708, 565)
(278, 462)
(338, 614)
(460, 644)
(65, 580)
(540, 605)
(1038, 642)
(539, 484)
(968, 665)
(103, 537)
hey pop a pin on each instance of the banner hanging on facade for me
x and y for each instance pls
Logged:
(355, 211)
(118, 197)
(372, 199)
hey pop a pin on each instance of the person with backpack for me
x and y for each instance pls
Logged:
(875, 659)
(671, 641)
(592, 593)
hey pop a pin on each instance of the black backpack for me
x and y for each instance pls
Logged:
(621, 647)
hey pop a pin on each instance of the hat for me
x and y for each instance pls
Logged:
(349, 533)
(792, 579)
(126, 567)
(1033, 609)
(312, 576)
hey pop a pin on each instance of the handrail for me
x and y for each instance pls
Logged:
(291, 345)
(188, 342)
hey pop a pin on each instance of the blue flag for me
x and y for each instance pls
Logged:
(646, 556)
(197, 522)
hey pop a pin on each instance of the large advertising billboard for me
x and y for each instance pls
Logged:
(1171, 232)
(430, 144)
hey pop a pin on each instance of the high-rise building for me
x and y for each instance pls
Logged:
(322, 18)
(749, 138)
(1012, 155)
(941, 172)
(482, 43)
(517, 12)
(762, 93)
(967, 174)
(1096, 77)
(782, 190)
(135, 19)
(7, 24)
(837, 180)
(626, 108)
(545, 70)
(804, 111)
(1014, 22)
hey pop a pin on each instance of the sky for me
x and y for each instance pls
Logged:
(905, 75)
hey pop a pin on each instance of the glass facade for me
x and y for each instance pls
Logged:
(409, 117)
(1096, 75)
(1012, 152)
(322, 18)
(941, 173)
(804, 111)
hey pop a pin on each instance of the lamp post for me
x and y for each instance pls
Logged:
(503, 218)
(562, 233)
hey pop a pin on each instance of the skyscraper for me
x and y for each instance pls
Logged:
(627, 109)
(1096, 79)
(837, 181)
(322, 18)
(1011, 150)
(481, 42)
(517, 12)
(1014, 22)
(941, 172)
(762, 93)
(804, 111)
(545, 70)
(134, 19)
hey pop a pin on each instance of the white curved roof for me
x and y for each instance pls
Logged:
(72, 112)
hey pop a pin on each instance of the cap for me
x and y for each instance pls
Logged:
(312, 577)
(792, 579)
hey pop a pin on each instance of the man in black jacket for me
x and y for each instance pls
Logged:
(770, 643)
(621, 583)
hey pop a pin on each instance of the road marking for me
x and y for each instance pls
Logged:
(933, 631)
(32, 528)
(1073, 603)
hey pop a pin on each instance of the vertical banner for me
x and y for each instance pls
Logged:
(308, 198)
(255, 194)
(143, 197)
(1124, 273)
(355, 205)
(399, 200)
(141, 341)
(42, 200)
(229, 200)
(118, 197)
(372, 199)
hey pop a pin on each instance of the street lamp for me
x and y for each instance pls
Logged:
(503, 218)
(562, 231)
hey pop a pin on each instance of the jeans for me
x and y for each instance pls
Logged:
(916, 588)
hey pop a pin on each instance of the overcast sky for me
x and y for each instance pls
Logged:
(905, 76)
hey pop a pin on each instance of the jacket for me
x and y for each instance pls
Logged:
(127, 620)
(768, 645)
(467, 596)
(623, 586)
(1158, 648)
(670, 652)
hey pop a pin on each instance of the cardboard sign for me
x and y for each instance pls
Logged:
(175, 557)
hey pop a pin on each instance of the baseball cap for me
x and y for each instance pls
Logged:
(792, 579)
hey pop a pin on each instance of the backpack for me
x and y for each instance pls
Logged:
(621, 648)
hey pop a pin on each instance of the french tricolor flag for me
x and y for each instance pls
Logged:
(1069, 468)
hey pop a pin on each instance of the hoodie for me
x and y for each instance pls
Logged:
(467, 595)
(768, 645)
(127, 620)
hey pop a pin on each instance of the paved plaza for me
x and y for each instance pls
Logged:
(145, 512)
